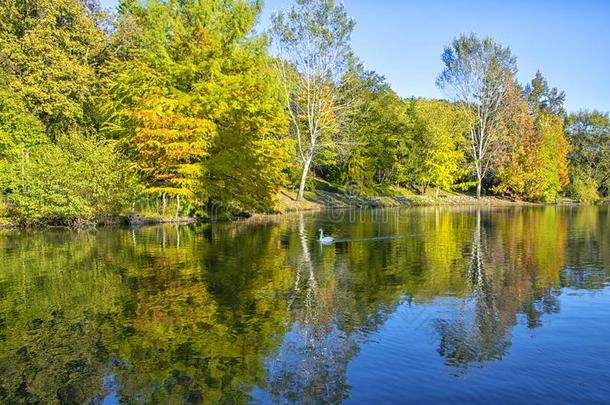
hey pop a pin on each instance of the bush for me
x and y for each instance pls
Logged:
(72, 181)
(585, 190)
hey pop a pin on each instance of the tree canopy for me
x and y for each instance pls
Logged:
(181, 104)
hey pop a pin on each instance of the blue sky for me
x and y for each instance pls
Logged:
(569, 41)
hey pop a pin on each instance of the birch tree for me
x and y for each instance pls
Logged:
(312, 42)
(474, 77)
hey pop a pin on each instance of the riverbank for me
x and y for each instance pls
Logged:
(318, 200)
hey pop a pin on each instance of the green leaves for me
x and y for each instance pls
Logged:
(73, 180)
(444, 129)
(49, 51)
(195, 105)
(589, 135)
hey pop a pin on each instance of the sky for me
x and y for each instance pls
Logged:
(567, 40)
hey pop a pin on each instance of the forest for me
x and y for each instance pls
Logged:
(187, 108)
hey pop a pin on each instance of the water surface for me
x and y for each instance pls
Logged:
(456, 305)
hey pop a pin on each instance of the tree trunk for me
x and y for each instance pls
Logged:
(438, 189)
(479, 185)
(304, 174)
(177, 206)
(163, 204)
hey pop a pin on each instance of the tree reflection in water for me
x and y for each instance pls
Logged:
(243, 311)
(311, 365)
(477, 334)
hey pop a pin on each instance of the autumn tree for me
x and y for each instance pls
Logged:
(191, 96)
(531, 160)
(312, 42)
(518, 161)
(474, 75)
(554, 148)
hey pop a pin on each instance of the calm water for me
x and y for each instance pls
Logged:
(436, 304)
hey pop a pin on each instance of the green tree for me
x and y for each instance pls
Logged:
(65, 183)
(554, 149)
(19, 130)
(540, 95)
(589, 135)
(374, 142)
(49, 52)
(198, 110)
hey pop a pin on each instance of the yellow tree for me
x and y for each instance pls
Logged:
(191, 97)
(554, 148)
(444, 139)
(169, 147)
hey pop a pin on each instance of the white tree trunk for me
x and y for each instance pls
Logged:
(304, 174)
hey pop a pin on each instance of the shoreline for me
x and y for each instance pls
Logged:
(317, 201)
(322, 200)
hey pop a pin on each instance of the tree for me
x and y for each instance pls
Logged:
(554, 149)
(444, 130)
(531, 161)
(474, 76)
(191, 96)
(374, 142)
(49, 52)
(19, 130)
(589, 135)
(169, 146)
(312, 42)
(540, 96)
(518, 161)
(74, 180)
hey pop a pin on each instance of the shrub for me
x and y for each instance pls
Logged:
(75, 180)
(585, 189)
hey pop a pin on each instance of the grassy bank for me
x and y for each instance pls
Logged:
(318, 200)
(323, 199)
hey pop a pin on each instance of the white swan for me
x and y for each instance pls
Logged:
(325, 240)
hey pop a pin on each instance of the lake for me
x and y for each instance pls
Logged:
(457, 305)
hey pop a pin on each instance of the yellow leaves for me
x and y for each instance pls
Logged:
(443, 138)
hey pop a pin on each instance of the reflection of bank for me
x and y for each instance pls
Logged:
(311, 365)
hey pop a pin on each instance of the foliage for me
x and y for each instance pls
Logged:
(444, 143)
(554, 149)
(196, 110)
(589, 135)
(373, 143)
(49, 52)
(518, 161)
(180, 99)
(474, 74)
(72, 180)
(532, 161)
(313, 43)
(540, 96)
(19, 130)
(584, 188)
